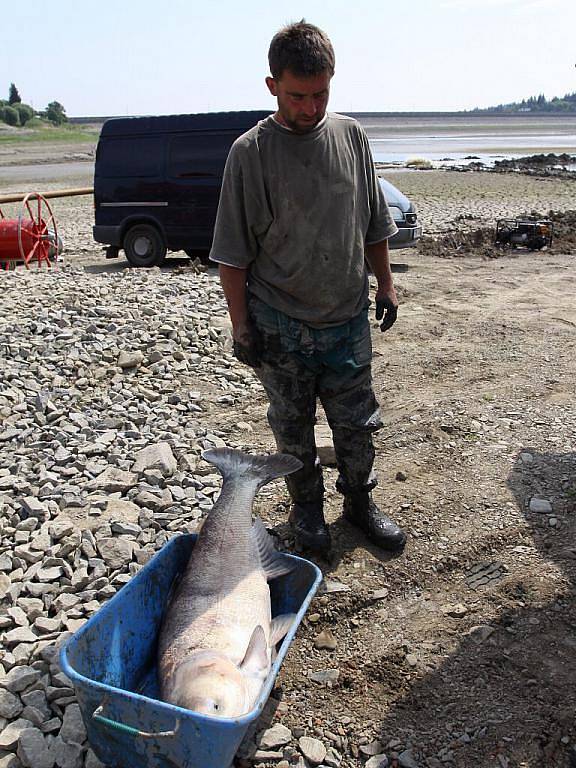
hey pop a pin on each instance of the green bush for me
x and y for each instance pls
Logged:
(9, 115)
(36, 122)
(56, 113)
(25, 113)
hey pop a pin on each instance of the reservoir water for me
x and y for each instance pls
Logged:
(443, 139)
(453, 139)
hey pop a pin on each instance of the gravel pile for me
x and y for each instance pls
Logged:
(101, 411)
(106, 381)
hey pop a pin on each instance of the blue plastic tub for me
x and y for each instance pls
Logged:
(112, 663)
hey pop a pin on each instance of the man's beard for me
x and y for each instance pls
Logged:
(299, 128)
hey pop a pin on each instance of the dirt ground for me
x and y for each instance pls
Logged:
(476, 383)
(463, 649)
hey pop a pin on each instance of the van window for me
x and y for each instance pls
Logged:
(196, 155)
(135, 157)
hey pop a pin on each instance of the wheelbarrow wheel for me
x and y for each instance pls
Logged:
(144, 246)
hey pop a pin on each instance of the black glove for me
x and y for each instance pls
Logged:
(248, 349)
(389, 317)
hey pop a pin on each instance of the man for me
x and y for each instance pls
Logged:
(300, 211)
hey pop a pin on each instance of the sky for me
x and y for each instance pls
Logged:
(136, 57)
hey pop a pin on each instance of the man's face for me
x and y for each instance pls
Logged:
(302, 101)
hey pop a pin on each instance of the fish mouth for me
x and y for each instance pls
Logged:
(211, 684)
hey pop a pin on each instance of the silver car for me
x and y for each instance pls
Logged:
(404, 214)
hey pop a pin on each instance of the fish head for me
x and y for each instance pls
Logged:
(210, 684)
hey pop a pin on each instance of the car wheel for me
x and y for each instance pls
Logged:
(144, 246)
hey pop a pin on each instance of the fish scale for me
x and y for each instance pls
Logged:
(199, 623)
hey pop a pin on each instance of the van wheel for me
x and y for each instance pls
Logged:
(144, 246)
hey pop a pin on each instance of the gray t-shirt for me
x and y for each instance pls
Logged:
(296, 210)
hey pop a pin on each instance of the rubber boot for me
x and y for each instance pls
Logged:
(361, 511)
(309, 526)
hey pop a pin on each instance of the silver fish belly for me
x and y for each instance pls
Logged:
(217, 637)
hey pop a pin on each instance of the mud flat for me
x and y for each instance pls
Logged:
(450, 200)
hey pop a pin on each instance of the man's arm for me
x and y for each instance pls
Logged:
(378, 257)
(246, 347)
(233, 281)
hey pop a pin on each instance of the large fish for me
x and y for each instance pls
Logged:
(218, 636)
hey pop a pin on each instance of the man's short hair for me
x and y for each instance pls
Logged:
(303, 49)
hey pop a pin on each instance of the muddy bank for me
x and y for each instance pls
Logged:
(481, 241)
(544, 163)
(550, 164)
(457, 202)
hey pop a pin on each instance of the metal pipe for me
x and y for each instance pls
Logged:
(18, 197)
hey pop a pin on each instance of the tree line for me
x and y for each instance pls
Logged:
(14, 112)
(539, 103)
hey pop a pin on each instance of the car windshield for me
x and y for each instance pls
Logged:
(394, 196)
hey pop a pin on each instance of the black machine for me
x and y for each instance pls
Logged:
(533, 234)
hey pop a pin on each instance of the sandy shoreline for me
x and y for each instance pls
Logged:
(448, 201)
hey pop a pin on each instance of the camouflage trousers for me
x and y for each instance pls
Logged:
(303, 365)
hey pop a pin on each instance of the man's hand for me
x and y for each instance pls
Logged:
(247, 346)
(378, 258)
(386, 309)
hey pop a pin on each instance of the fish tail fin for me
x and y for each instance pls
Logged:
(260, 468)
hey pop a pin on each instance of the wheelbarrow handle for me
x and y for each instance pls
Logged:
(99, 717)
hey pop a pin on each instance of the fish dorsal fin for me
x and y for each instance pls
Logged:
(273, 563)
(260, 469)
(280, 627)
(255, 662)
